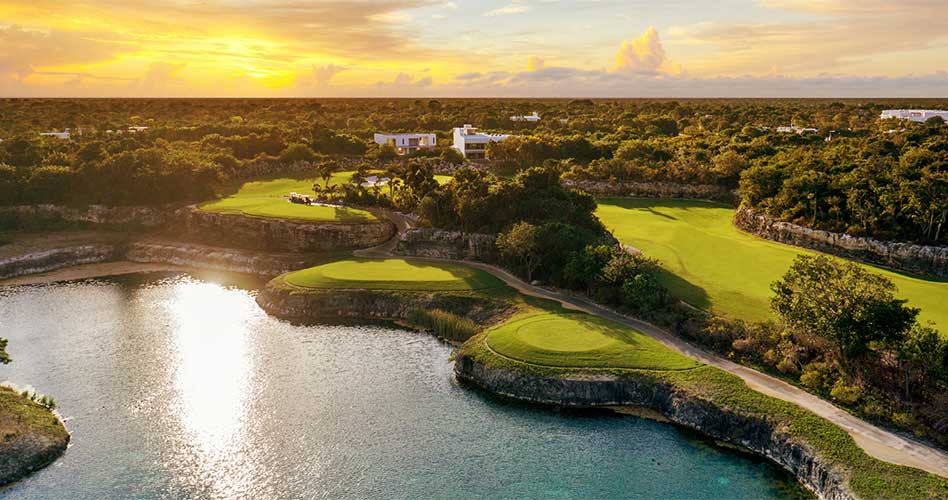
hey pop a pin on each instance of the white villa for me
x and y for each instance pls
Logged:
(407, 143)
(915, 115)
(532, 118)
(795, 130)
(473, 144)
(61, 135)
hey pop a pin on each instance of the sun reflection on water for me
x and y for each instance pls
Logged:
(213, 375)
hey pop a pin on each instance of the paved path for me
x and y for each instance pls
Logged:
(876, 442)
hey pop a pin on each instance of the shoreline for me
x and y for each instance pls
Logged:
(95, 270)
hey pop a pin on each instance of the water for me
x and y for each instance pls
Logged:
(181, 387)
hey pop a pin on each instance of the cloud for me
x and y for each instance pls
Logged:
(24, 52)
(646, 55)
(161, 78)
(852, 36)
(512, 8)
(535, 63)
(323, 74)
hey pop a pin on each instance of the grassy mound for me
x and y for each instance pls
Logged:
(392, 274)
(711, 264)
(564, 339)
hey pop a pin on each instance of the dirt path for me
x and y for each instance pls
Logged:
(877, 442)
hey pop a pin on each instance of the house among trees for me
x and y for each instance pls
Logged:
(795, 130)
(532, 118)
(61, 135)
(915, 115)
(473, 144)
(407, 143)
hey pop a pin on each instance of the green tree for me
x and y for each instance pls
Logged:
(521, 243)
(842, 302)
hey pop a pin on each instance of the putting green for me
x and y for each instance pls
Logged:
(711, 264)
(392, 274)
(577, 340)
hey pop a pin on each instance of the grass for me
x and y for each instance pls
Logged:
(711, 264)
(868, 477)
(445, 324)
(579, 340)
(267, 198)
(392, 274)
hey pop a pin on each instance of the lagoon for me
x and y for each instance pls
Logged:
(177, 385)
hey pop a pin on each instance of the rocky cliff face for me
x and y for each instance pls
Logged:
(655, 190)
(919, 259)
(753, 432)
(309, 306)
(48, 260)
(222, 259)
(431, 242)
(282, 235)
(93, 214)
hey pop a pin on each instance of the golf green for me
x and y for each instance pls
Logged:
(578, 340)
(392, 274)
(711, 264)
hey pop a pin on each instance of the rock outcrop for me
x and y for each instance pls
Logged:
(33, 436)
(93, 214)
(221, 259)
(258, 233)
(315, 305)
(753, 432)
(708, 192)
(48, 260)
(908, 257)
(431, 242)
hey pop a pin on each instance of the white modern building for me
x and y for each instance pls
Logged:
(407, 143)
(915, 115)
(532, 118)
(473, 144)
(61, 135)
(795, 130)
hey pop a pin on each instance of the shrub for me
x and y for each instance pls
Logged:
(846, 393)
(817, 376)
(444, 324)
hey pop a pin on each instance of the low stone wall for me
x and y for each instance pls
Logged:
(908, 257)
(708, 192)
(259, 233)
(752, 432)
(431, 242)
(56, 258)
(93, 214)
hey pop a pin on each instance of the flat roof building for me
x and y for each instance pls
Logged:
(407, 143)
(532, 118)
(915, 115)
(61, 135)
(795, 130)
(473, 144)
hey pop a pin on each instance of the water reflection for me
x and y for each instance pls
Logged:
(182, 388)
(213, 374)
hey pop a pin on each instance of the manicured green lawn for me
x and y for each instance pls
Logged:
(268, 199)
(579, 340)
(392, 274)
(711, 264)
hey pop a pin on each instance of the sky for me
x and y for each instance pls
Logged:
(467, 48)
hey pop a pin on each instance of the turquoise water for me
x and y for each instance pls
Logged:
(181, 387)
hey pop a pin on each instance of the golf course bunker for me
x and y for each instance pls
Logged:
(577, 340)
(392, 274)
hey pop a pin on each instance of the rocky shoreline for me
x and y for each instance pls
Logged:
(907, 257)
(33, 436)
(753, 432)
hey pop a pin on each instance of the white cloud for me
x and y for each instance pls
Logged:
(645, 54)
(513, 8)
